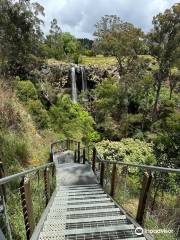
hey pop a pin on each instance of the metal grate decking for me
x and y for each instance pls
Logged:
(84, 211)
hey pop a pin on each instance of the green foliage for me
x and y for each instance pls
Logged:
(85, 43)
(122, 106)
(39, 113)
(9, 115)
(167, 141)
(119, 39)
(13, 151)
(20, 34)
(163, 43)
(70, 43)
(127, 150)
(26, 91)
(53, 46)
(73, 120)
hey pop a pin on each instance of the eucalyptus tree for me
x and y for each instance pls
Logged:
(20, 33)
(54, 42)
(164, 45)
(120, 39)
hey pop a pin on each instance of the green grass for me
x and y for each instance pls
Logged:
(99, 60)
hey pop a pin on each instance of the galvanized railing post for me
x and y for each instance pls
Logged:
(79, 152)
(27, 206)
(47, 185)
(143, 199)
(113, 179)
(75, 156)
(102, 173)
(94, 160)
(84, 155)
(51, 155)
(2, 175)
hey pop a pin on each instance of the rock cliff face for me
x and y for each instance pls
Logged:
(62, 74)
(54, 79)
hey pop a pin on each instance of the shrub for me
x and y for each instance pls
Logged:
(127, 150)
(26, 91)
(39, 113)
(73, 120)
(13, 151)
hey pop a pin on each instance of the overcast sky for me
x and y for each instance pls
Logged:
(80, 16)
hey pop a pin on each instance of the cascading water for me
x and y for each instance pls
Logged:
(74, 85)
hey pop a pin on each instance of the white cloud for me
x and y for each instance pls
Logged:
(80, 16)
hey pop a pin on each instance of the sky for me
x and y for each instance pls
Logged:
(80, 16)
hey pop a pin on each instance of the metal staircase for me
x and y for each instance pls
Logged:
(72, 198)
(83, 211)
(86, 212)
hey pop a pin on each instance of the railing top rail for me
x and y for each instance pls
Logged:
(142, 166)
(60, 141)
(23, 174)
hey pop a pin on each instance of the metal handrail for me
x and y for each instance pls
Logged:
(143, 166)
(61, 141)
(136, 165)
(23, 174)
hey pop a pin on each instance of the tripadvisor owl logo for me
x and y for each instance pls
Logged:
(139, 231)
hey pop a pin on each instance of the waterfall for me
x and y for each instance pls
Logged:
(74, 86)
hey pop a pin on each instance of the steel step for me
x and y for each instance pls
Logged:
(89, 200)
(93, 219)
(53, 213)
(59, 194)
(97, 196)
(90, 205)
(76, 232)
(80, 186)
(80, 190)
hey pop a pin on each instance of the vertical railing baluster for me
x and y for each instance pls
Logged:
(113, 179)
(2, 174)
(79, 146)
(3, 200)
(51, 159)
(84, 155)
(75, 156)
(143, 199)
(94, 160)
(102, 173)
(46, 185)
(25, 191)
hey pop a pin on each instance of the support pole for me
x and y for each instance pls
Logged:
(47, 185)
(2, 175)
(75, 156)
(84, 155)
(102, 173)
(94, 160)
(113, 179)
(79, 146)
(51, 156)
(144, 195)
(27, 206)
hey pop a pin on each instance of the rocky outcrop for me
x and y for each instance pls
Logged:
(59, 74)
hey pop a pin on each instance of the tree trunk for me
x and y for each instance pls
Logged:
(157, 97)
(170, 94)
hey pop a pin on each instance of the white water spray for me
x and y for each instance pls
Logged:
(74, 85)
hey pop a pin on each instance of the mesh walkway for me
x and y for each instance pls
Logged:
(82, 210)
